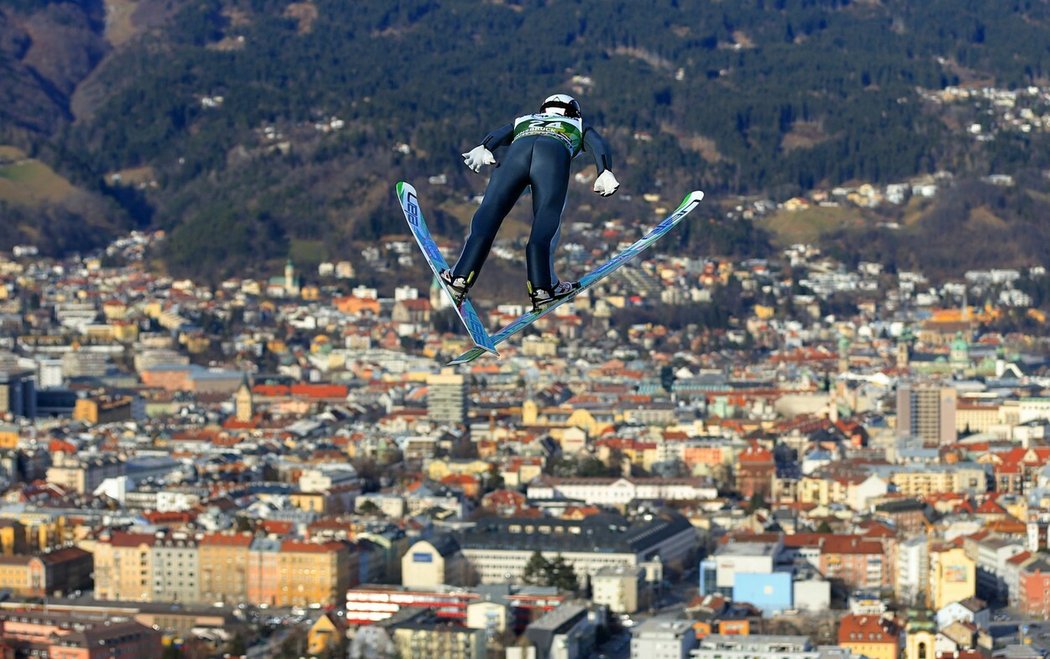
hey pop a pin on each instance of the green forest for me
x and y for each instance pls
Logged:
(757, 98)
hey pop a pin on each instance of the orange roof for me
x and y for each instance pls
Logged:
(301, 547)
(866, 629)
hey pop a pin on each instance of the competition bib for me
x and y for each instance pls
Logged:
(567, 130)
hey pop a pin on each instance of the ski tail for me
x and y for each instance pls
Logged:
(468, 315)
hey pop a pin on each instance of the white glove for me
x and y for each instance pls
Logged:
(477, 157)
(606, 184)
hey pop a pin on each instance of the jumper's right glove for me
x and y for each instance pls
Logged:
(477, 157)
(606, 184)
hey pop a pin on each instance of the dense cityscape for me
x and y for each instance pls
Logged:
(851, 462)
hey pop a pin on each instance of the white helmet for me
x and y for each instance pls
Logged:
(561, 104)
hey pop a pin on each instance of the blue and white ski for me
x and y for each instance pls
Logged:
(691, 201)
(406, 194)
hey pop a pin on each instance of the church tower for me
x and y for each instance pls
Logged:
(244, 405)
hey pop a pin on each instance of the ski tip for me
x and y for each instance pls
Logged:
(403, 187)
(472, 354)
(694, 196)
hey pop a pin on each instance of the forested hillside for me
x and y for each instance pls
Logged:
(255, 129)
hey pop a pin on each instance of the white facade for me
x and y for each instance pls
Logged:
(662, 638)
(913, 568)
(498, 565)
(320, 480)
(812, 595)
(859, 495)
(618, 588)
(490, 616)
(743, 557)
(606, 492)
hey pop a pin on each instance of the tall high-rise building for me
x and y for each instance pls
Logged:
(926, 411)
(447, 397)
(17, 393)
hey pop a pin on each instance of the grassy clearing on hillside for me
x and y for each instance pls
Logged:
(807, 226)
(10, 154)
(30, 182)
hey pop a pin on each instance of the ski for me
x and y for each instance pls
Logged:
(691, 201)
(468, 315)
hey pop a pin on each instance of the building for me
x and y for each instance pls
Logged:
(124, 566)
(856, 562)
(176, 568)
(434, 562)
(875, 637)
(102, 409)
(662, 638)
(498, 548)
(953, 576)
(754, 472)
(420, 634)
(913, 569)
(262, 577)
(621, 491)
(325, 634)
(65, 636)
(770, 591)
(1035, 589)
(926, 411)
(741, 557)
(44, 575)
(371, 603)
(567, 631)
(447, 397)
(17, 393)
(623, 589)
(83, 474)
(313, 572)
(722, 646)
(970, 611)
(992, 554)
(224, 567)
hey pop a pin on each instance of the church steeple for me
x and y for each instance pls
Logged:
(244, 404)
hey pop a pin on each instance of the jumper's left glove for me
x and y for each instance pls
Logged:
(606, 184)
(477, 157)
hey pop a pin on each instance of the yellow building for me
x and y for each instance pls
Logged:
(309, 572)
(953, 576)
(22, 575)
(224, 567)
(975, 417)
(12, 537)
(426, 637)
(102, 409)
(311, 502)
(124, 566)
(8, 436)
(439, 469)
(872, 636)
(325, 634)
(434, 562)
(935, 480)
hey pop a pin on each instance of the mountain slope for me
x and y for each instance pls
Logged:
(266, 124)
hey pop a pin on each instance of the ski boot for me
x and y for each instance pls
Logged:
(542, 297)
(458, 286)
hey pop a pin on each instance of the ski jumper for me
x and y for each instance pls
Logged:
(541, 149)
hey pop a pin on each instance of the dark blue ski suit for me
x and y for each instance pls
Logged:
(541, 148)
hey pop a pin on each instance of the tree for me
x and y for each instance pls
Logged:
(561, 575)
(756, 502)
(535, 572)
